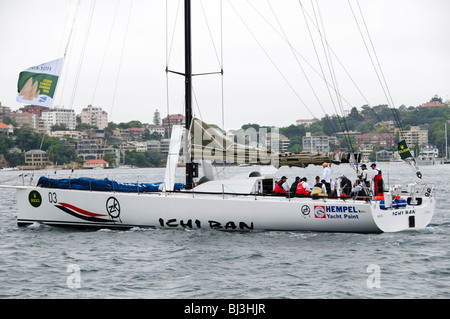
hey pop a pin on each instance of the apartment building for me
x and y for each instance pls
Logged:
(94, 116)
(315, 143)
(171, 120)
(58, 115)
(152, 128)
(36, 158)
(416, 135)
(378, 139)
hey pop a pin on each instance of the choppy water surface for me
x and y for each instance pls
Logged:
(47, 262)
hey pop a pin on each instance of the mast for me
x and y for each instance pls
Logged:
(188, 89)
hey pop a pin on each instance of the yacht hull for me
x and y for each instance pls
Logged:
(189, 210)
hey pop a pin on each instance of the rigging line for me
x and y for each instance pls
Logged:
(62, 36)
(121, 57)
(71, 29)
(167, 64)
(375, 53)
(209, 31)
(167, 99)
(219, 60)
(327, 119)
(100, 72)
(328, 60)
(196, 102)
(375, 68)
(221, 66)
(295, 54)
(347, 137)
(309, 64)
(330, 65)
(316, 53)
(326, 50)
(336, 89)
(349, 76)
(340, 63)
(367, 49)
(379, 65)
(332, 71)
(295, 57)
(270, 59)
(169, 50)
(106, 51)
(65, 52)
(82, 54)
(168, 55)
(321, 68)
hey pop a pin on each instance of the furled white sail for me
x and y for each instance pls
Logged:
(172, 158)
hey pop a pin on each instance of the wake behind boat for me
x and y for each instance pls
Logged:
(242, 203)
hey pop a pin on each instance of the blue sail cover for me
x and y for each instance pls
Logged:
(86, 183)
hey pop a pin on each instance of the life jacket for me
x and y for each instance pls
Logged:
(279, 189)
(301, 189)
(378, 183)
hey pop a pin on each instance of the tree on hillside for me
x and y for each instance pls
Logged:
(85, 126)
(293, 131)
(59, 127)
(156, 118)
(436, 98)
(133, 123)
(27, 139)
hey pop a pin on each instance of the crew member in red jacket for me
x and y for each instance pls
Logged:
(377, 180)
(281, 187)
(303, 188)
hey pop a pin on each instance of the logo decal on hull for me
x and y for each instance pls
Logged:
(35, 199)
(337, 212)
(319, 212)
(83, 214)
(306, 210)
(113, 207)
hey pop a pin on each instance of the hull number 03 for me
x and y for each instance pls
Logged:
(52, 197)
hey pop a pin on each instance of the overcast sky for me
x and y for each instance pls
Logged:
(268, 58)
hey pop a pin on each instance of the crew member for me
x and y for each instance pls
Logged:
(346, 186)
(319, 188)
(377, 180)
(357, 189)
(281, 187)
(363, 176)
(294, 185)
(326, 176)
(303, 188)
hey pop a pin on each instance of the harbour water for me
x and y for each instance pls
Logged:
(47, 262)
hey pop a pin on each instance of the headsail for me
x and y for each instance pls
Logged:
(208, 143)
(37, 84)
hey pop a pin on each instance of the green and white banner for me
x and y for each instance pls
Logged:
(37, 84)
